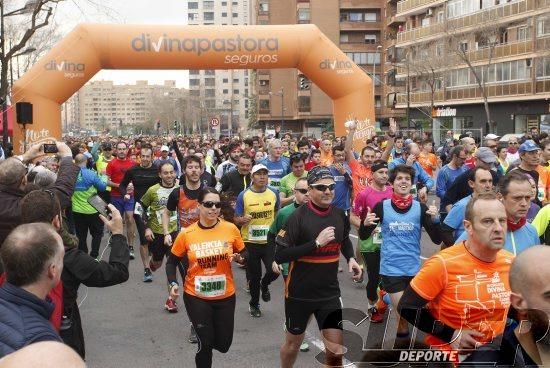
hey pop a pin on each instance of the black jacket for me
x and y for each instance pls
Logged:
(81, 268)
(10, 198)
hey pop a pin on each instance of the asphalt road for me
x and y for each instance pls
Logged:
(127, 326)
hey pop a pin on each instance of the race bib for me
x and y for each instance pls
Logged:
(210, 286)
(275, 182)
(258, 232)
(138, 210)
(377, 235)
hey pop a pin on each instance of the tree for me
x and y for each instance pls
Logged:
(486, 34)
(36, 14)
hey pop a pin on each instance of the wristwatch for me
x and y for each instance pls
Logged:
(173, 283)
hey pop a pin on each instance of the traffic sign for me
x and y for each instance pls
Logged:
(214, 122)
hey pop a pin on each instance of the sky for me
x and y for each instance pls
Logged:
(70, 13)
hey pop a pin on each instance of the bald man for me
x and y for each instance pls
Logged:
(529, 343)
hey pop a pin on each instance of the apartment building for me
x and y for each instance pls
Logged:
(221, 93)
(505, 43)
(101, 105)
(359, 27)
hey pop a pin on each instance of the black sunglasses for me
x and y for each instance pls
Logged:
(303, 191)
(210, 204)
(323, 187)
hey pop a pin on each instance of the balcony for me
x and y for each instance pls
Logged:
(408, 6)
(543, 44)
(495, 14)
(395, 20)
(501, 51)
(473, 93)
(360, 26)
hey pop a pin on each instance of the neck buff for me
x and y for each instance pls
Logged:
(513, 227)
(400, 202)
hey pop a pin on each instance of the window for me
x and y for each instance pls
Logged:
(209, 72)
(210, 93)
(543, 26)
(194, 72)
(264, 7)
(463, 46)
(208, 16)
(235, 91)
(208, 5)
(344, 38)
(439, 50)
(304, 103)
(210, 104)
(377, 79)
(210, 82)
(377, 102)
(440, 17)
(458, 8)
(235, 3)
(225, 80)
(235, 15)
(543, 68)
(303, 15)
(192, 16)
(264, 83)
(364, 58)
(193, 5)
(235, 80)
(371, 17)
(224, 15)
(224, 3)
(264, 105)
(425, 22)
(370, 39)
(225, 91)
(522, 34)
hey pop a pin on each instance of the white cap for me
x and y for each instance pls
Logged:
(90, 144)
(492, 136)
(257, 168)
(164, 148)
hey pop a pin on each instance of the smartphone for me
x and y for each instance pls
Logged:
(50, 148)
(100, 205)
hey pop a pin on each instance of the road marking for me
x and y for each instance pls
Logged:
(321, 346)
(356, 237)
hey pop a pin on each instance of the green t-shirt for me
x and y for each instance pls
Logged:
(288, 182)
(155, 200)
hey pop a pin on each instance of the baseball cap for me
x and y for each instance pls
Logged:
(492, 136)
(318, 173)
(165, 148)
(257, 168)
(486, 155)
(528, 146)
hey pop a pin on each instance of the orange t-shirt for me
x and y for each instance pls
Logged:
(209, 275)
(361, 176)
(465, 292)
(544, 183)
(428, 161)
(326, 158)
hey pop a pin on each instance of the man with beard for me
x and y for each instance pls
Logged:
(124, 203)
(230, 164)
(527, 345)
(461, 295)
(141, 177)
(154, 203)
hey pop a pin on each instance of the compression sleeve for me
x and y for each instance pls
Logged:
(347, 246)
(171, 266)
(412, 307)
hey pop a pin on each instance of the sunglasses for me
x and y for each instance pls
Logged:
(324, 187)
(210, 204)
(303, 191)
(514, 143)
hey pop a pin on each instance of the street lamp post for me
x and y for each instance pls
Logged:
(282, 94)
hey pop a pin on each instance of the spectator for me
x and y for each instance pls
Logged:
(32, 256)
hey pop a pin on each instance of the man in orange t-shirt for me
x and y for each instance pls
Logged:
(427, 159)
(465, 287)
(326, 152)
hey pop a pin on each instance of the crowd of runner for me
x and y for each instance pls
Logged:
(289, 203)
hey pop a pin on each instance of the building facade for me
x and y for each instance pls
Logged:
(451, 47)
(220, 93)
(103, 105)
(359, 28)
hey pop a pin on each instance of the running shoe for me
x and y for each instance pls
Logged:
(171, 306)
(193, 339)
(266, 295)
(375, 316)
(255, 310)
(132, 255)
(304, 347)
(381, 305)
(147, 275)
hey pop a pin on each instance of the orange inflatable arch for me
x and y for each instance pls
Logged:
(92, 47)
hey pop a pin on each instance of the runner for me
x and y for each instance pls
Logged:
(422, 182)
(287, 183)
(210, 245)
(154, 203)
(277, 165)
(311, 241)
(401, 219)
(124, 203)
(255, 211)
(235, 152)
(458, 286)
(142, 177)
(369, 248)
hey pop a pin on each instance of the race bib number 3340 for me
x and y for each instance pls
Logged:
(210, 286)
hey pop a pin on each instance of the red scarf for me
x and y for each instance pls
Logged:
(400, 202)
(513, 227)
